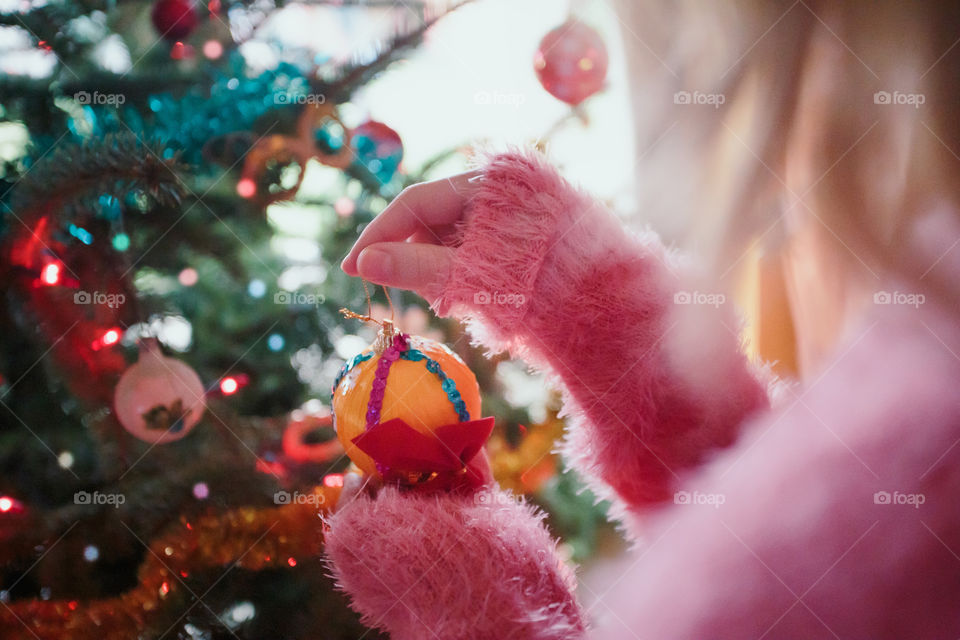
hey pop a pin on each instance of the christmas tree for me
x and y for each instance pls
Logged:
(170, 327)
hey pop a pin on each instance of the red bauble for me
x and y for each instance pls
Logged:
(174, 19)
(571, 62)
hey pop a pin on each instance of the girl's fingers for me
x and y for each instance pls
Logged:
(421, 207)
(418, 267)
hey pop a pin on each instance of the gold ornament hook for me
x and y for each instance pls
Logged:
(387, 327)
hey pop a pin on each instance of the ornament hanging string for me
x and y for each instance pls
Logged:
(347, 313)
(387, 327)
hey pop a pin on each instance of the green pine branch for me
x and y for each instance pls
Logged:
(114, 165)
(354, 76)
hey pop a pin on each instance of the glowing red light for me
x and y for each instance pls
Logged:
(164, 588)
(246, 188)
(333, 480)
(6, 504)
(229, 386)
(180, 51)
(51, 273)
(292, 562)
(109, 338)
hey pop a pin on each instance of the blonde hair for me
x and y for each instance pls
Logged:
(835, 133)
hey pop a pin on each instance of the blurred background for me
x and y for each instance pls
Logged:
(179, 183)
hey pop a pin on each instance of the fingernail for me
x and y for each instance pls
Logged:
(375, 264)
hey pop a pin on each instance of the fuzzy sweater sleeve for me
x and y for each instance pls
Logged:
(835, 518)
(544, 271)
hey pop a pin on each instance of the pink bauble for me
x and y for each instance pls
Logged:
(571, 62)
(158, 399)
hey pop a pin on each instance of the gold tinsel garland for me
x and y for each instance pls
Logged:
(248, 538)
(524, 468)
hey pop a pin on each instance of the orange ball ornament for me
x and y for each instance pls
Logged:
(399, 390)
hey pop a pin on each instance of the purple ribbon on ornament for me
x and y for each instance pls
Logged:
(390, 355)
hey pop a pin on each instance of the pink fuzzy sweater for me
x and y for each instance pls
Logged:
(832, 515)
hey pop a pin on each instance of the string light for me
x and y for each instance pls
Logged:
(180, 51)
(333, 480)
(51, 273)
(201, 491)
(344, 206)
(212, 49)
(246, 188)
(109, 338)
(229, 386)
(188, 277)
(257, 288)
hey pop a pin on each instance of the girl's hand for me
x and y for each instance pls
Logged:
(409, 244)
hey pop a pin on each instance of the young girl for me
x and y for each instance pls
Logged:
(825, 511)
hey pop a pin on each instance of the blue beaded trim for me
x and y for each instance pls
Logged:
(349, 364)
(447, 383)
(414, 355)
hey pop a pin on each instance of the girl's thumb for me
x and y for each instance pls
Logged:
(418, 267)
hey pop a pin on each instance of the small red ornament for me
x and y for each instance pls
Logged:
(174, 19)
(571, 62)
